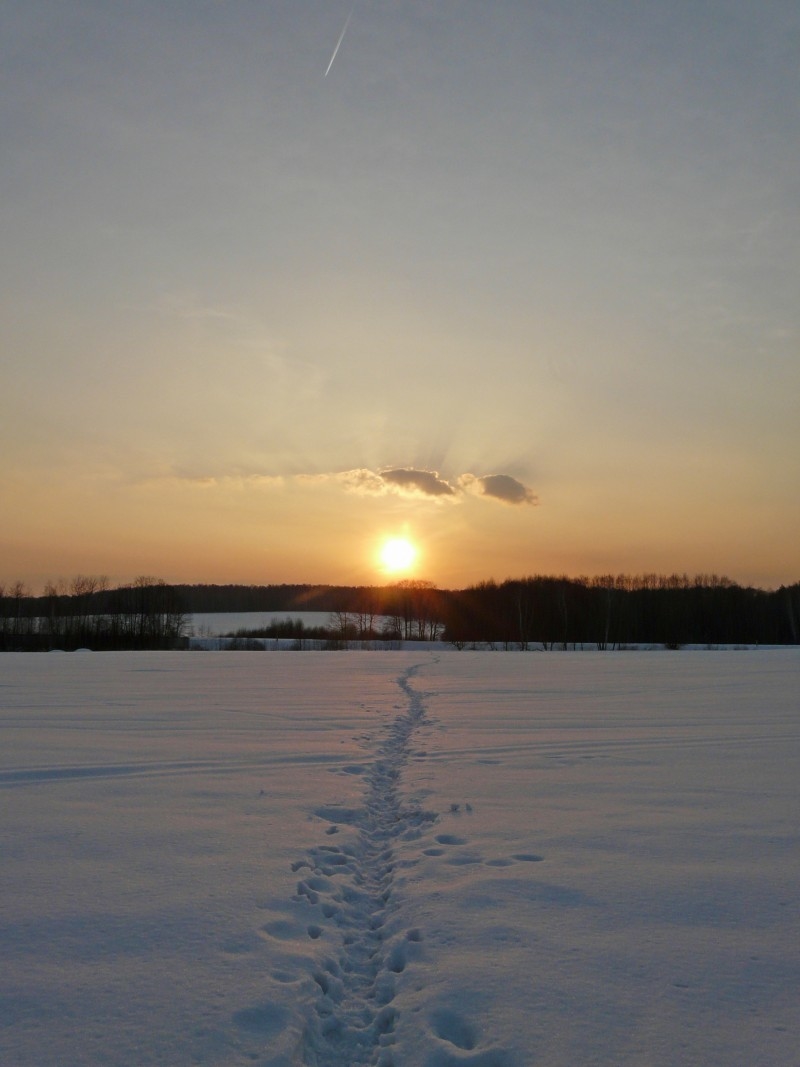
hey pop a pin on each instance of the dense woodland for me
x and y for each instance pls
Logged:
(614, 611)
(86, 613)
(606, 612)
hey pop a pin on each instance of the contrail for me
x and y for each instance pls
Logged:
(341, 38)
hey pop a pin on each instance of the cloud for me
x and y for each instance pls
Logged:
(403, 481)
(239, 482)
(424, 483)
(400, 481)
(414, 482)
(500, 487)
(361, 480)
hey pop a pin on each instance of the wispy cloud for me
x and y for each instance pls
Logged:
(234, 482)
(410, 482)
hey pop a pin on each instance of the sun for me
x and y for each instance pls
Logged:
(397, 554)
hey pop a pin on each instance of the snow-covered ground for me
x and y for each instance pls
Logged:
(426, 859)
(211, 631)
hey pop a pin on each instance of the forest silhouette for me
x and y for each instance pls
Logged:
(544, 612)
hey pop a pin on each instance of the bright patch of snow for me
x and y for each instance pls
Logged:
(216, 623)
(400, 859)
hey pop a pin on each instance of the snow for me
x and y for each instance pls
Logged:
(408, 859)
(217, 623)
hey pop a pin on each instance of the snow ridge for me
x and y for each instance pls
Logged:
(353, 1020)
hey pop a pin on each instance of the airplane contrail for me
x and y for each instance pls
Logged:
(341, 38)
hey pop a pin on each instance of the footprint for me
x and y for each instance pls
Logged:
(454, 1028)
(334, 858)
(385, 1020)
(450, 839)
(397, 959)
(281, 930)
(463, 859)
(319, 883)
(329, 986)
(335, 864)
(303, 890)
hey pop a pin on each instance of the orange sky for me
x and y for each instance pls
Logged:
(522, 287)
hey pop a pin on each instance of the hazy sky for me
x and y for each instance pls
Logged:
(516, 280)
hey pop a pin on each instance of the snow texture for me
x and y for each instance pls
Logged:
(400, 859)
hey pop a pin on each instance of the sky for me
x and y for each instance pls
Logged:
(517, 282)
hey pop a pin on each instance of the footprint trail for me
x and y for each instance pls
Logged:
(352, 890)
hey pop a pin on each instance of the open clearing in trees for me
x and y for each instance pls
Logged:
(407, 859)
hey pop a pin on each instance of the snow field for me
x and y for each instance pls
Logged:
(400, 859)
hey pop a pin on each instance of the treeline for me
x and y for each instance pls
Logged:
(410, 609)
(288, 598)
(611, 611)
(604, 612)
(86, 613)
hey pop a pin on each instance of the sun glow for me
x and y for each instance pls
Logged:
(397, 554)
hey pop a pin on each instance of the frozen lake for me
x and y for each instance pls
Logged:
(408, 859)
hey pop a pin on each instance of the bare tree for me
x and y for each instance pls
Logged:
(18, 592)
(343, 626)
(416, 610)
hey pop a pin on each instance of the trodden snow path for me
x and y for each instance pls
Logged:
(352, 885)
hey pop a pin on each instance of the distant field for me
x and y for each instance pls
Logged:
(214, 624)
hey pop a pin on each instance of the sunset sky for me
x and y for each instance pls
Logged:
(516, 281)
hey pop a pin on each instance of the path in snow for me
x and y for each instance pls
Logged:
(353, 885)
